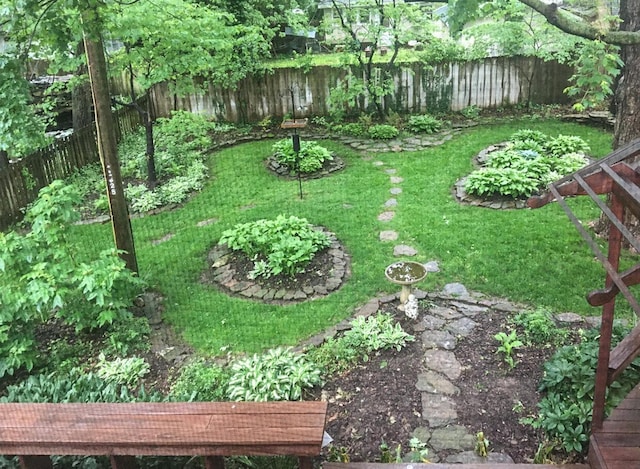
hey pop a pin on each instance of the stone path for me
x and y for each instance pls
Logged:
(439, 334)
(411, 143)
(458, 313)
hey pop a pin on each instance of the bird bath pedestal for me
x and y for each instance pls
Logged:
(405, 273)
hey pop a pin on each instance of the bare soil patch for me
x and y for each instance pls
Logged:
(377, 402)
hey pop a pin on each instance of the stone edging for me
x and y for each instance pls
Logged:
(497, 203)
(282, 170)
(470, 298)
(224, 275)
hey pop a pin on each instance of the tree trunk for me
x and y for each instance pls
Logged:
(81, 105)
(147, 122)
(152, 177)
(4, 160)
(81, 99)
(627, 98)
(626, 104)
(108, 147)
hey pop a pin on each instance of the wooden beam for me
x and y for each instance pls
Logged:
(606, 325)
(600, 297)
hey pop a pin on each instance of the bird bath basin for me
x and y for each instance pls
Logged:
(405, 273)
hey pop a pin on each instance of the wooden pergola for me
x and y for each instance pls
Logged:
(615, 441)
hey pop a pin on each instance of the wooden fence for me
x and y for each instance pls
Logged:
(490, 83)
(23, 179)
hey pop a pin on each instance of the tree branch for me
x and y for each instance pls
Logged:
(570, 24)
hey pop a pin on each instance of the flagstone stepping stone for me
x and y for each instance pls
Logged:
(462, 327)
(404, 250)
(388, 235)
(438, 339)
(454, 437)
(445, 313)
(210, 221)
(386, 216)
(444, 362)
(432, 322)
(396, 180)
(435, 383)
(432, 266)
(390, 171)
(455, 289)
(395, 190)
(164, 239)
(391, 203)
(438, 410)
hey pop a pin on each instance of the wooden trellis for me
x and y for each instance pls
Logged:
(618, 177)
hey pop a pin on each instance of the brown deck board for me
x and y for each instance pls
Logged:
(162, 428)
(617, 444)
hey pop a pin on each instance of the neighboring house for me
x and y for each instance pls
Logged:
(366, 21)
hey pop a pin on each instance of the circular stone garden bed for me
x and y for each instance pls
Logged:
(326, 272)
(283, 170)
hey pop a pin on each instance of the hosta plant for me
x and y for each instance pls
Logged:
(425, 123)
(382, 132)
(281, 246)
(367, 335)
(529, 162)
(310, 158)
(278, 375)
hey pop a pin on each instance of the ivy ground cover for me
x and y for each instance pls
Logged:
(525, 255)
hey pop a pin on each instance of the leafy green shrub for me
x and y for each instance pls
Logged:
(504, 159)
(174, 191)
(530, 161)
(540, 328)
(128, 371)
(127, 336)
(471, 112)
(378, 332)
(184, 130)
(568, 383)
(280, 246)
(487, 182)
(366, 335)
(63, 356)
(200, 381)
(568, 163)
(278, 375)
(564, 144)
(43, 276)
(382, 132)
(536, 168)
(528, 148)
(352, 129)
(425, 123)
(76, 386)
(311, 156)
(534, 136)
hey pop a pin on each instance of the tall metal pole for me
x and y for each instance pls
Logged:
(107, 147)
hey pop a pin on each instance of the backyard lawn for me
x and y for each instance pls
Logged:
(530, 256)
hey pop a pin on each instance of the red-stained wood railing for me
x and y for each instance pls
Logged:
(208, 429)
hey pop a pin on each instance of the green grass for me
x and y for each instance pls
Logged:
(532, 256)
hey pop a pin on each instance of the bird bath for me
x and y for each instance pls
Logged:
(405, 273)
